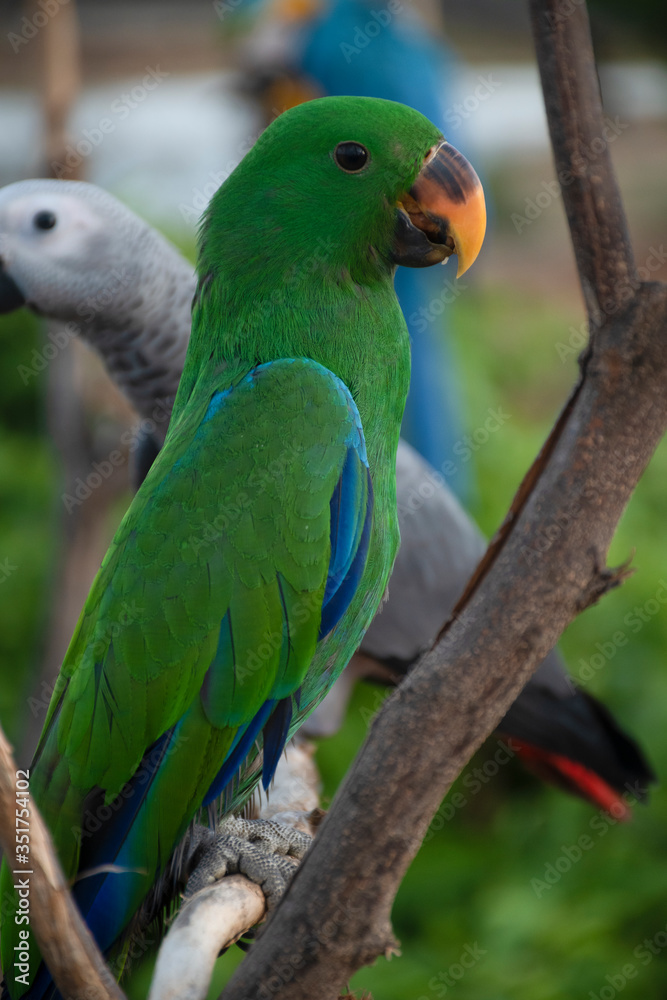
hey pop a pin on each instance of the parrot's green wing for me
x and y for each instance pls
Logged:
(202, 623)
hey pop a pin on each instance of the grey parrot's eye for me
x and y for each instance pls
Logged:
(44, 220)
(351, 156)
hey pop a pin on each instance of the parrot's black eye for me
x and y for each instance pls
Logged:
(44, 220)
(351, 156)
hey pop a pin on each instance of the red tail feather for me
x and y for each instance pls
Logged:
(574, 777)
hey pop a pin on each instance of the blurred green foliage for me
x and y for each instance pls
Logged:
(28, 521)
(469, 890)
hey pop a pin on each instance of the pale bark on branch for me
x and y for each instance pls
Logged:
(546, 565)
(65, 942)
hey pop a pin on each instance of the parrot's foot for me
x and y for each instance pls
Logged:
(267, 853)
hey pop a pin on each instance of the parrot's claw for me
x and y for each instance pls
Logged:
(267, 853)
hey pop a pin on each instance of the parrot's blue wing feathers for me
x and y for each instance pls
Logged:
(351, 520)
(98, 896)
(275, 735)
(244, 741)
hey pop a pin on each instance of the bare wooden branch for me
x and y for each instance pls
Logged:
(219, 915)
(548, 565)
(65, 942)
(214, 919)
(580, 141)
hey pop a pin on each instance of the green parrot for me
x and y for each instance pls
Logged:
(257, 551)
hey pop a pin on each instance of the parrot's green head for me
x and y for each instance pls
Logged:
(343, 187)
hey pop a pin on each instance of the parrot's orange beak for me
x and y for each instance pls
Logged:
(443, 213)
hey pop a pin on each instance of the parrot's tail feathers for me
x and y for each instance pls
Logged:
(576, 743)
(93, 893)
(240, 749)
(275, 734)
(574, 778)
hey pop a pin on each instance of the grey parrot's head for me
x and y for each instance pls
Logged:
(68, 250)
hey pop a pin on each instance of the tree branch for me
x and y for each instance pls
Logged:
(64, 940)
(546, 566)
(579, 134)
(207, 924)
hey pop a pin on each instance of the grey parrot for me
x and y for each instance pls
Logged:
(70, 251)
